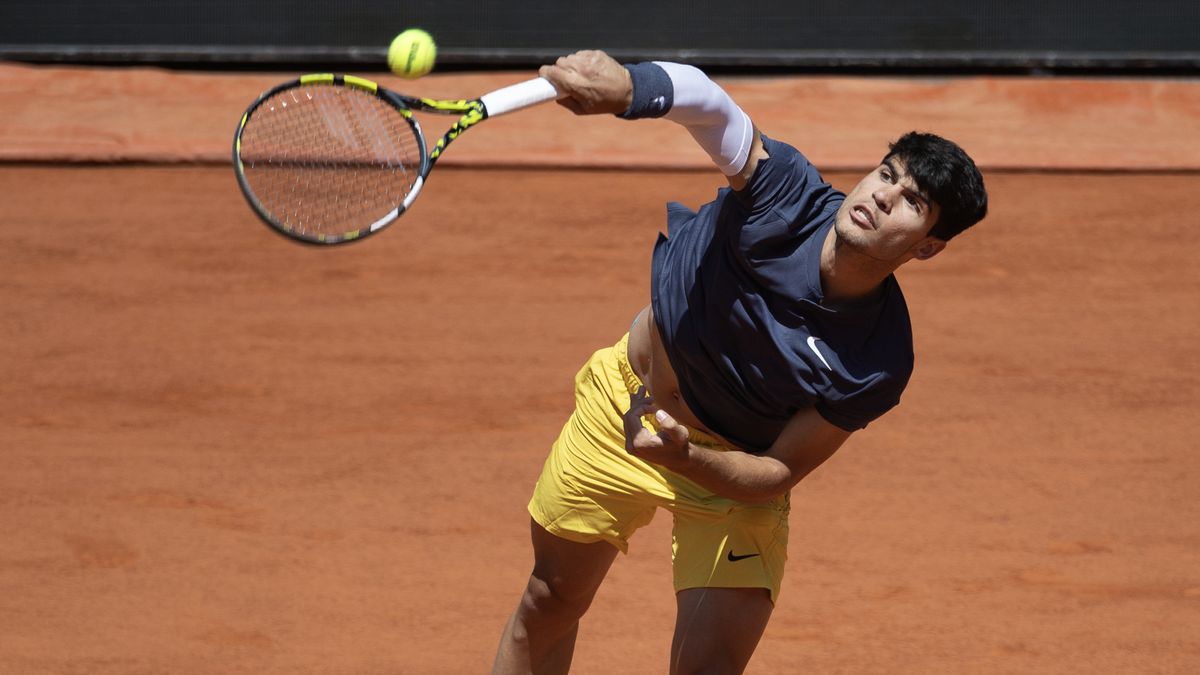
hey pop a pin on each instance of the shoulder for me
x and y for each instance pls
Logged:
(778, 161)
(784, 178)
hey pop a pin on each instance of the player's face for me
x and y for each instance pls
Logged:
(887, 217)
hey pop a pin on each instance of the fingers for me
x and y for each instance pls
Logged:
(668, 448)
(637, 442)
(590, 82)
(640, 404)
(673, 430)
(642, 395)
(637, 437)
(564, 81)
(568, 74)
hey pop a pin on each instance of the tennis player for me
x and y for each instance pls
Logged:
(775, 330)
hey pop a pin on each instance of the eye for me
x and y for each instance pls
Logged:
(913, 202)
(885, 174)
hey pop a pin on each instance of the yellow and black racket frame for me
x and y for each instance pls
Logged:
(471, 111)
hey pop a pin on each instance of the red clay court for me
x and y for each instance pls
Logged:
(227, 453)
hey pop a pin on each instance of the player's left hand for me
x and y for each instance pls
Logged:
(668, 447)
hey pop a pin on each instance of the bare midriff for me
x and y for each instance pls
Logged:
(648, 358)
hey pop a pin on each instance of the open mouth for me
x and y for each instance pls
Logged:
(863, 217)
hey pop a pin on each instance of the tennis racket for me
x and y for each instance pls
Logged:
(328, 159)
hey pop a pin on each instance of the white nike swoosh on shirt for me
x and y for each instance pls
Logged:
(812, 344)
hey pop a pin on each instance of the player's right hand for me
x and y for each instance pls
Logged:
(590, 83)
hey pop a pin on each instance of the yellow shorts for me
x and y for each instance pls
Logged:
(592, 490)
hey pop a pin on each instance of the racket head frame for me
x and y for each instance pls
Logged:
(403, 105)
(471, 112)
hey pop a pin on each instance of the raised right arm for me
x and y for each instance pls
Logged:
(593, 83)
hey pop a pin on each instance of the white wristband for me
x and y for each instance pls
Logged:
(717, 123)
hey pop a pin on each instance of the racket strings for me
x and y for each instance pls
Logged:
(326, 160)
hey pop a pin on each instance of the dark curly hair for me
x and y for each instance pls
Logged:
(948, 175)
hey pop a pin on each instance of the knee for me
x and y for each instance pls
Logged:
(554, 597)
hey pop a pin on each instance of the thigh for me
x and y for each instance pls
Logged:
(569, 571)
(720, 543)
(717, 629)
(590, 488)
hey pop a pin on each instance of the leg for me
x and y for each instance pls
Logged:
(540, 635)
(717, 629)
(590, 490)
(729, 560)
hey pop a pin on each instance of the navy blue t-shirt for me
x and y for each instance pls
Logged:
(736, 292)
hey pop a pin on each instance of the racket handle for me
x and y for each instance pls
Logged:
(518, 96)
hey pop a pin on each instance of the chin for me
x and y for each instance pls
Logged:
(849, 234)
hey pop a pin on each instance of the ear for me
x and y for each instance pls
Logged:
(929, 247)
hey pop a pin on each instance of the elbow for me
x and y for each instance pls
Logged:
(777, 484)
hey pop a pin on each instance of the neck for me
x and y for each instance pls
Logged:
(848, 276)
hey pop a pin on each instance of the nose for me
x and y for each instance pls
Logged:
(887, 196)
(883, 199)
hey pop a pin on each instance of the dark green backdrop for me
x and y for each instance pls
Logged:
(772, 33)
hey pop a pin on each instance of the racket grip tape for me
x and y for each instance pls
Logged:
(518, 96)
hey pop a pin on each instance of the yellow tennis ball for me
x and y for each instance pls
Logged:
(412, 54)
